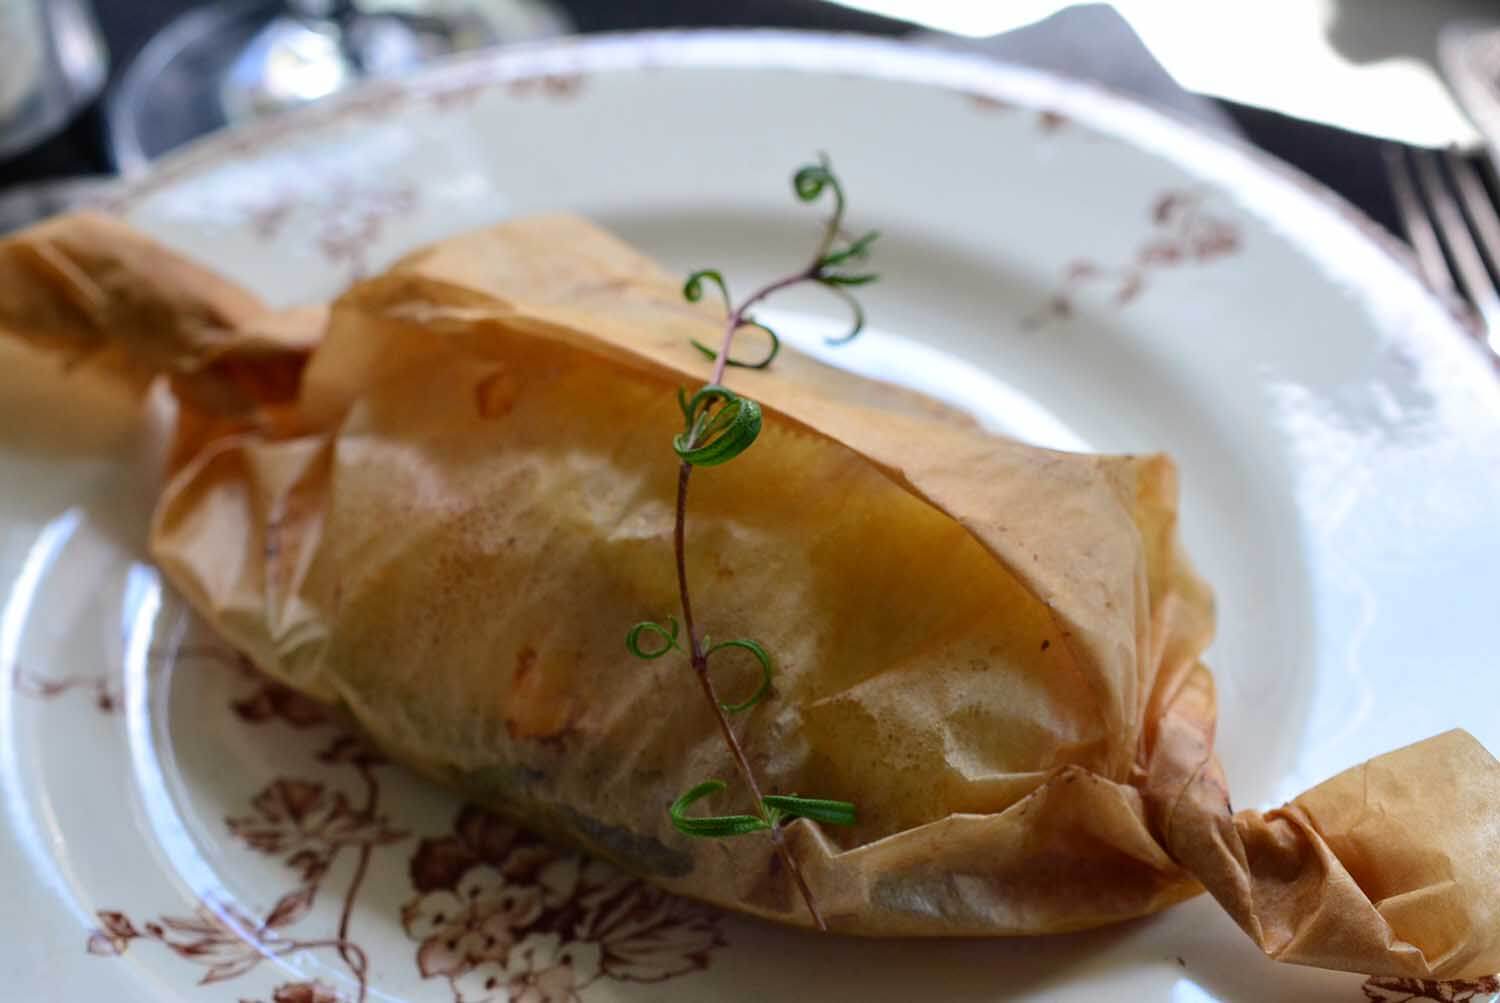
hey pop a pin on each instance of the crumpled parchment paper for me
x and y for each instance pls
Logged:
(443, 499)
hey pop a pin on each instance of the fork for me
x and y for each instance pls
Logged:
(1452, 225)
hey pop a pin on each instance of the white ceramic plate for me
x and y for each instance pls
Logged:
(1076, 269)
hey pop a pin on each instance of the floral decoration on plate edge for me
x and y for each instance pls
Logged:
(499, 916)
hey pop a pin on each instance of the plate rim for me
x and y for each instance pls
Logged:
(1098, 107)
(1089, 104)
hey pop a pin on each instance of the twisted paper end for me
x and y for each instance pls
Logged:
(1389, 868)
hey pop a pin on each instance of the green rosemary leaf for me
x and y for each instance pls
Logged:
(811, 179)
(668, 637)
(837, 279)
(857, 250)
(817, 809)
(692, 289)
(771, 353)
(855, 308)
(765, 672)
(809, 182)
(711, 826)
(710, 437)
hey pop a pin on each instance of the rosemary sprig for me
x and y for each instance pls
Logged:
(719, 425)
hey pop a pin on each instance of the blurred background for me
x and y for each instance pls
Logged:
(91, 89)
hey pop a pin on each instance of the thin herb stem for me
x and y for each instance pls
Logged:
(700, 665)
(679, 531)
(814, 269)
(737, 315)
(700, 668)
(831, 233)
(712, 438)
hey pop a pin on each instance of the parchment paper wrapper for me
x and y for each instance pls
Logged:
(443, 501)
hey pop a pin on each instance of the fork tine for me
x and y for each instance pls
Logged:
(1483, 219)
(1468, 266)
(1414, 221)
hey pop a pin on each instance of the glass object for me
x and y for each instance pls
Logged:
(54, 63)
(236, 60)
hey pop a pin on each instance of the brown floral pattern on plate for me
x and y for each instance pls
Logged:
(303, 992)
(349, 217)
(988, 102)
(1383, 989)
(552, 85)
(503, 916)
(1049, 120)
(308, 825)
(498, 915)
(460, 92)
(27, 683)
(1183, 232)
